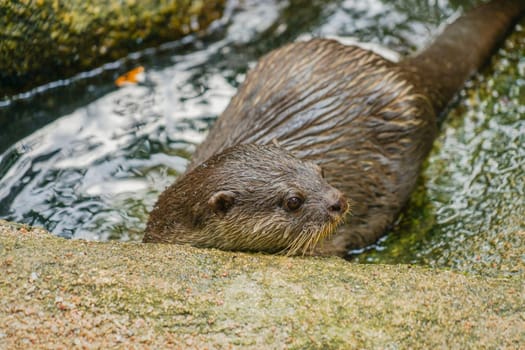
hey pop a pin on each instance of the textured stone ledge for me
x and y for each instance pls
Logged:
(59, 293)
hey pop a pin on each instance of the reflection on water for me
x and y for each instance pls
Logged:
(87, 160)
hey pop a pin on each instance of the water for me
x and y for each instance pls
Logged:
(87, 160)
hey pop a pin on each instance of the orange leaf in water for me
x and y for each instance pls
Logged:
(131, 77)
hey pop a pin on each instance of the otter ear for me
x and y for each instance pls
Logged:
(221, 202)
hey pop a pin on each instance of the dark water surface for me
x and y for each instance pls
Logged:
(87, 160)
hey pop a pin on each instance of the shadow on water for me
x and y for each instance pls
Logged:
(87, 160)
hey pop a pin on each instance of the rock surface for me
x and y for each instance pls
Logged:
(45, 40)
(71, 294)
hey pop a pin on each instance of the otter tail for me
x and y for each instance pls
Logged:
(442, 68)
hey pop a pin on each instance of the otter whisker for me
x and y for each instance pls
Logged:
(297, 243)
(308, 243)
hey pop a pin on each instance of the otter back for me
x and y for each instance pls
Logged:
(350, 111)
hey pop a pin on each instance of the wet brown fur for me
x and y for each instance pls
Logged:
(368, 122)
(223, 203)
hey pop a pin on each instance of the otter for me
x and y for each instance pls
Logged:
(367, 122)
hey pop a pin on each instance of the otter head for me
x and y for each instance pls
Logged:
(251, 198)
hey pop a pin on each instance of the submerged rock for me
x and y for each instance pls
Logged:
(47, 40)
(77, 293)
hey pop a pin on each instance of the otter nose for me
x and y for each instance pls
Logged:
(337, 203)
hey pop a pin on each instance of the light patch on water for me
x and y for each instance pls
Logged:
(254, 18)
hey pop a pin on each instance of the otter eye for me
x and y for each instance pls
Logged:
(293, 203)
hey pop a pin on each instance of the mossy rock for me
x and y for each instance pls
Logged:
(55, 292)
(45, 40)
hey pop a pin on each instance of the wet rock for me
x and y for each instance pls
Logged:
(47, 40)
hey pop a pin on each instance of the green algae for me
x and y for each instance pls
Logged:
(46, 40)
